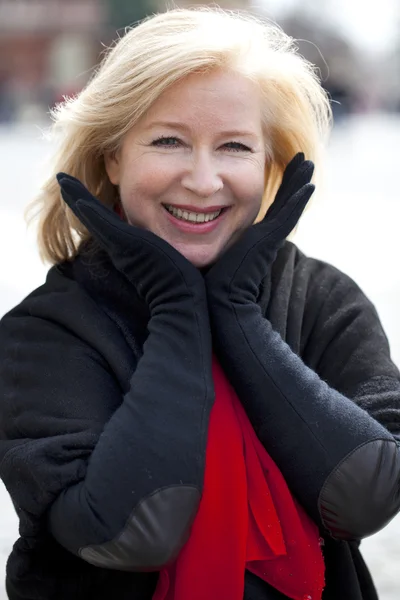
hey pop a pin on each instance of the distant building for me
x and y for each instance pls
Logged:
(47, 48)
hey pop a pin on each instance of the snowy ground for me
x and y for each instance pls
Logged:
(354, 224)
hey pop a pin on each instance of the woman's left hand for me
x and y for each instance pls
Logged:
(238, 274)
(333, 455)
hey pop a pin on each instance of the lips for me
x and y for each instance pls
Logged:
(192, 216)
(187, 220)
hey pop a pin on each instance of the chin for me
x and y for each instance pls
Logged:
(201, 263)
(198, 258)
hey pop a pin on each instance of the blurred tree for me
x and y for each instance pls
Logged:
(122, 13)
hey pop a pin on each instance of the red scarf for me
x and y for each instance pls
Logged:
(247, 519)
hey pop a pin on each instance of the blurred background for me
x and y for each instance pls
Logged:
(48, 50)
(49, 47)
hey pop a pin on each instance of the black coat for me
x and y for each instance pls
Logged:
(91, 427)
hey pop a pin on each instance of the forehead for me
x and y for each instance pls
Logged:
(214, 99)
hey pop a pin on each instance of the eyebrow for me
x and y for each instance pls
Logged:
(183, 127)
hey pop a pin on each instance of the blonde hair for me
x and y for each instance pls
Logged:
(148, 59)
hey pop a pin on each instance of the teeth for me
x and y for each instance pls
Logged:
(193, 217)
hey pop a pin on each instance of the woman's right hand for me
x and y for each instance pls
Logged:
(159, 272)
(139, 411)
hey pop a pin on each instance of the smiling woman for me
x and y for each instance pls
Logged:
(191, 408)
(190, 79)
(200, 153)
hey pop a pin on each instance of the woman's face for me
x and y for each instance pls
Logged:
(192, 170)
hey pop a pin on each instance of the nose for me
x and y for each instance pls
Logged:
(202, 177)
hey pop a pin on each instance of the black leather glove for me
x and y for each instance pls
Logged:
(323, 443)
(146, 472)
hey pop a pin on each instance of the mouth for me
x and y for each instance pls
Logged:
(192, 217)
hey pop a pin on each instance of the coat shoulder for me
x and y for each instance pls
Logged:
(311, 271)
(67, 312)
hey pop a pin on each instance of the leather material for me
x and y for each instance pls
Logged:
(154, 534)
(363, 493)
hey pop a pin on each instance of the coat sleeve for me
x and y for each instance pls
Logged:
(349, 350)
(347, 346)
(329, 422)
(116, 474)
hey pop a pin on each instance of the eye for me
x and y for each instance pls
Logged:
(237, 147)
(170, 142)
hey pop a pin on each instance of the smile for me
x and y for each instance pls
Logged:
(192, 217)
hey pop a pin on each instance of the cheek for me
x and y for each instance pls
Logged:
(249, 173)
(141, 182)
(249, 189)
(147, 178)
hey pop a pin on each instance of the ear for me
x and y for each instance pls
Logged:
(113, 167)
